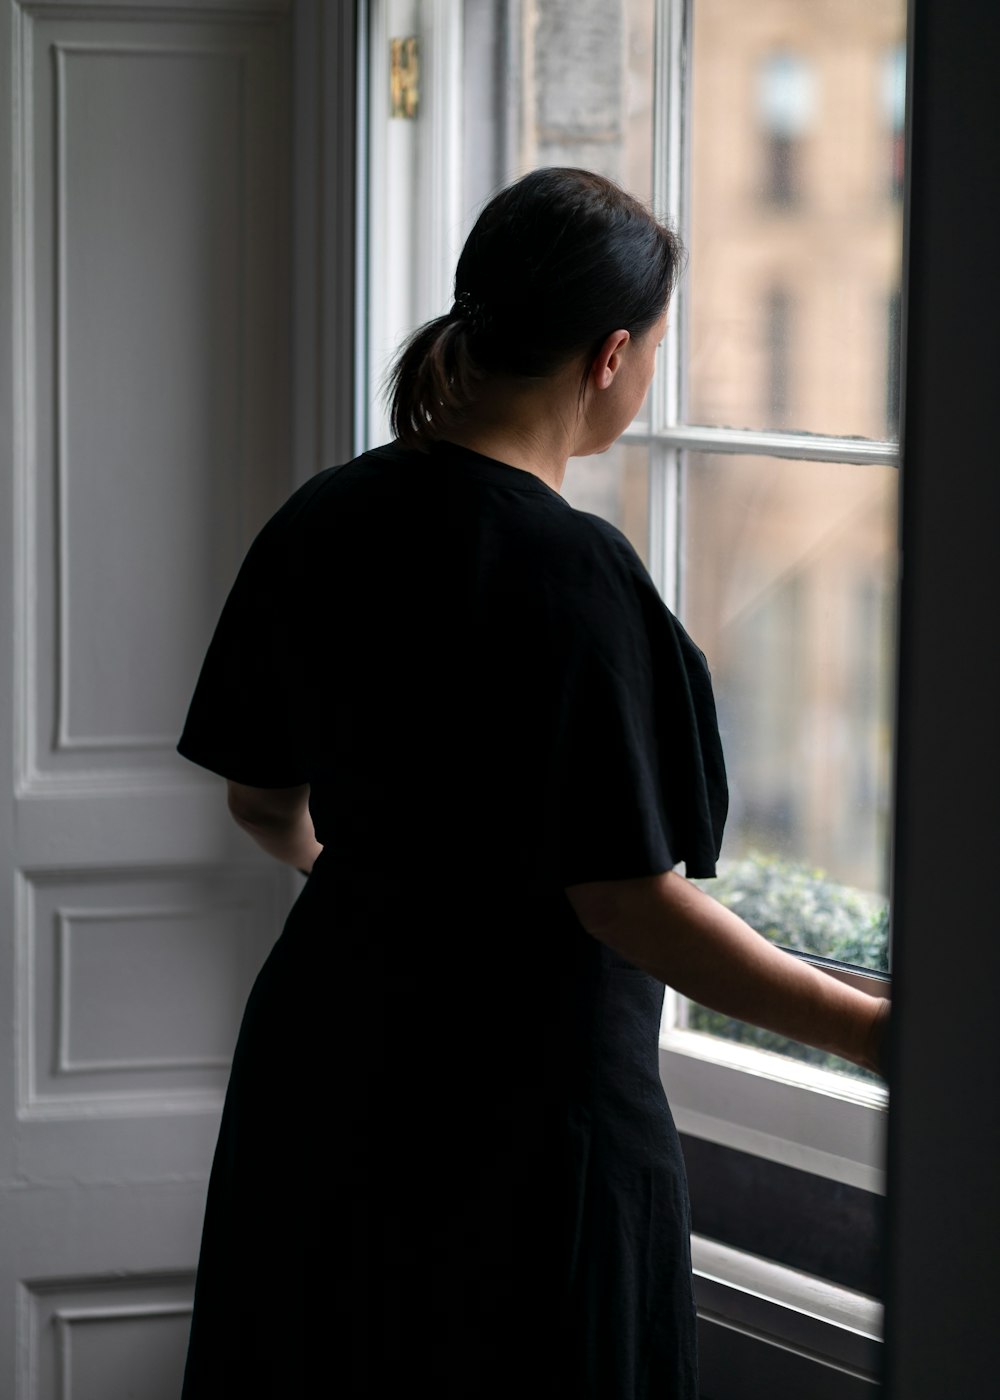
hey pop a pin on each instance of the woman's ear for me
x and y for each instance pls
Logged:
(607, 361)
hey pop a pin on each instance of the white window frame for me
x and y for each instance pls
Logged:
(735, 1095)
(412, 199)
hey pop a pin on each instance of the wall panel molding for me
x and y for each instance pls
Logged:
(147, 254)
(105, 1335)
(131, 987)
(71, 928)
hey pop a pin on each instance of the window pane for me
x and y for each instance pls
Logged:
(789, 577)
(615, 486)
(795, 226)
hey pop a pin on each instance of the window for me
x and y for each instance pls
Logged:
(759, 481)
(941, 1339)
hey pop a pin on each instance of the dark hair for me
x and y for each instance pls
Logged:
(563, 251)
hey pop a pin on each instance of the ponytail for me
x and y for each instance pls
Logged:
(432, 382)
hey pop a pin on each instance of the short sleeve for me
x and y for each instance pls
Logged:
(636, 781)
(242, 719)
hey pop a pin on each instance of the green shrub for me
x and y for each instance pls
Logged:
(801, 908)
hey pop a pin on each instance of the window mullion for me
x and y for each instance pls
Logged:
(441, 214)
(666, 394)
(807, 447)
(665, 520)
(669, 188)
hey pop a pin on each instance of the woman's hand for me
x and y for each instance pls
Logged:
(672, 930)
(877, 1049)
(278, 820)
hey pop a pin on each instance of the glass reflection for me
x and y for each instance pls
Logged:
(788, 586)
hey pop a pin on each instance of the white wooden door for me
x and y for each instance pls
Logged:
(144, 345)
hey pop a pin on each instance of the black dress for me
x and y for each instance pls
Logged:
(446, 1159)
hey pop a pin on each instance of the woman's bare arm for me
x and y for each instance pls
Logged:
(671, 929)
(278, 820)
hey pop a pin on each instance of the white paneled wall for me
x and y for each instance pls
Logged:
(109, 1341)
(145, 163)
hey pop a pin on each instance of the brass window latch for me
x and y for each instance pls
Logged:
(404, 78)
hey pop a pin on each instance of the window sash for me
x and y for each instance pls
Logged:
(733, 1094)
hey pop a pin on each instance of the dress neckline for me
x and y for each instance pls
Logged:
(491, 469)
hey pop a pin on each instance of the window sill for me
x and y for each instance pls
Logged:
(767, 1329)
(773, 1107)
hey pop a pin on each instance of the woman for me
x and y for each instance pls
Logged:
(461, 705)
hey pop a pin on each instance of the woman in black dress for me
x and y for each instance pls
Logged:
(446, 1159)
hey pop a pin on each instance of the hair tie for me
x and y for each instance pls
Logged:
(466, 308)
